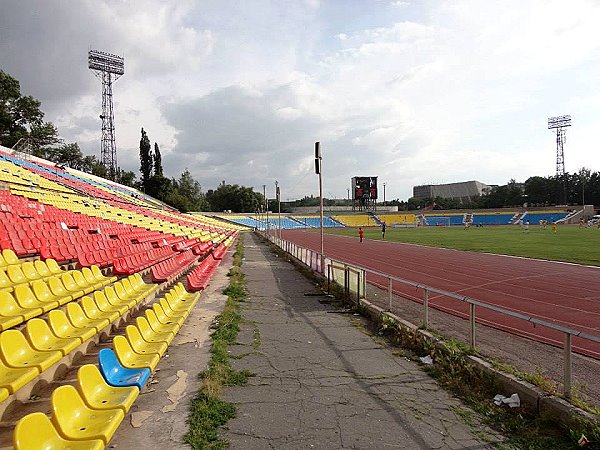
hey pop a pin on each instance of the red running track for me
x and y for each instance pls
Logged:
(560, 293)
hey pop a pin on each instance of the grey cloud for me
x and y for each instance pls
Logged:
(44, 45)
(238, 135)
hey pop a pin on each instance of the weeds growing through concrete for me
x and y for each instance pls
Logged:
(208, 412)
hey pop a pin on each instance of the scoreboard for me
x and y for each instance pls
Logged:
(364, 189)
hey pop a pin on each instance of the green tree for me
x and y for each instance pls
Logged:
(126, 177)
(538, 191)
(158, 169)
(191, 191)
(159, 187)
(145, 160)
(514, 194)
(21, 116)
(235, 198)
(67, 155)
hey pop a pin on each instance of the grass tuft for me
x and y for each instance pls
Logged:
(208, 412)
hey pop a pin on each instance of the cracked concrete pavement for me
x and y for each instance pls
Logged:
(321, 382)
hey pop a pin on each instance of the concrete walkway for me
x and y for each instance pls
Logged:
(321, 382)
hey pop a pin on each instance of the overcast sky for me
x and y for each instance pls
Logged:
(415, 92)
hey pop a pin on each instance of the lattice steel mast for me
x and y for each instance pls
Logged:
(107, 68)
(559, 123)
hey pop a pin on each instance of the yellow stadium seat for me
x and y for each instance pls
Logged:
(76, 421)
(92, 280)
(10, 308)
(120, 290)
(142, 287)
(42, 268)
(100, 276)
(5, 283)
(175, 313)
(13, 379)
(53, 267)
(136, 281)
(92, 310)
(140, 345)
(30, 271)
(159, 326)
(27, 299)
(178, 303)
(97, 394)
(71, 286)
(106, 306)
(40, 336)
(80, 319)
(16, 275)
(10, 257)
(2, 261)
(83, 283)
(17, 352)
(62, 327)
(114, 299)
(179, 289)
(9, 322)
(164, 318)
(46, 436)
(4, 394)
(129, 289)
(129, 358)
(150, 335)
(45, 295)
(57, 287)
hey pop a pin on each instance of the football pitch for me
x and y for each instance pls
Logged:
(570, 243)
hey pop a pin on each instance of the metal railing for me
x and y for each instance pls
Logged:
(353, 277)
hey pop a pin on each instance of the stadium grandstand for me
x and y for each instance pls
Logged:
(288, 222)
(356, 220)
(315, 221)
(490, 217)
(80, 257)
(395, 220)
(398, 220)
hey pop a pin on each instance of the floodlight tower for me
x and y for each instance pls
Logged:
(107, 68)
(559, 123)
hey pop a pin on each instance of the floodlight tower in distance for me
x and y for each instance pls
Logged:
(107, 68)
(559, 123)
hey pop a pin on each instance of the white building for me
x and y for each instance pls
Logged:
(463, 191)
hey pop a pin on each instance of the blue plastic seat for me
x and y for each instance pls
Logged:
(117, 375)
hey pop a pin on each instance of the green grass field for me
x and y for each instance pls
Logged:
(570, 243)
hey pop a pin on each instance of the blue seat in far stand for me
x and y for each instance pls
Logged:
(117, 375)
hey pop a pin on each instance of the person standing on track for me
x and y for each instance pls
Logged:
(361, 233)
(382, 230)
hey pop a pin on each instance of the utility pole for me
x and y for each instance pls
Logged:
(278, 205)
(266, 208)
(318, 170)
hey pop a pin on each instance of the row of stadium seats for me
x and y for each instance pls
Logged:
(173, 267)
(27, 354)
(88, 415)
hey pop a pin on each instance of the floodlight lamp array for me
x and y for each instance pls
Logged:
(559, 122)
(106, 62)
